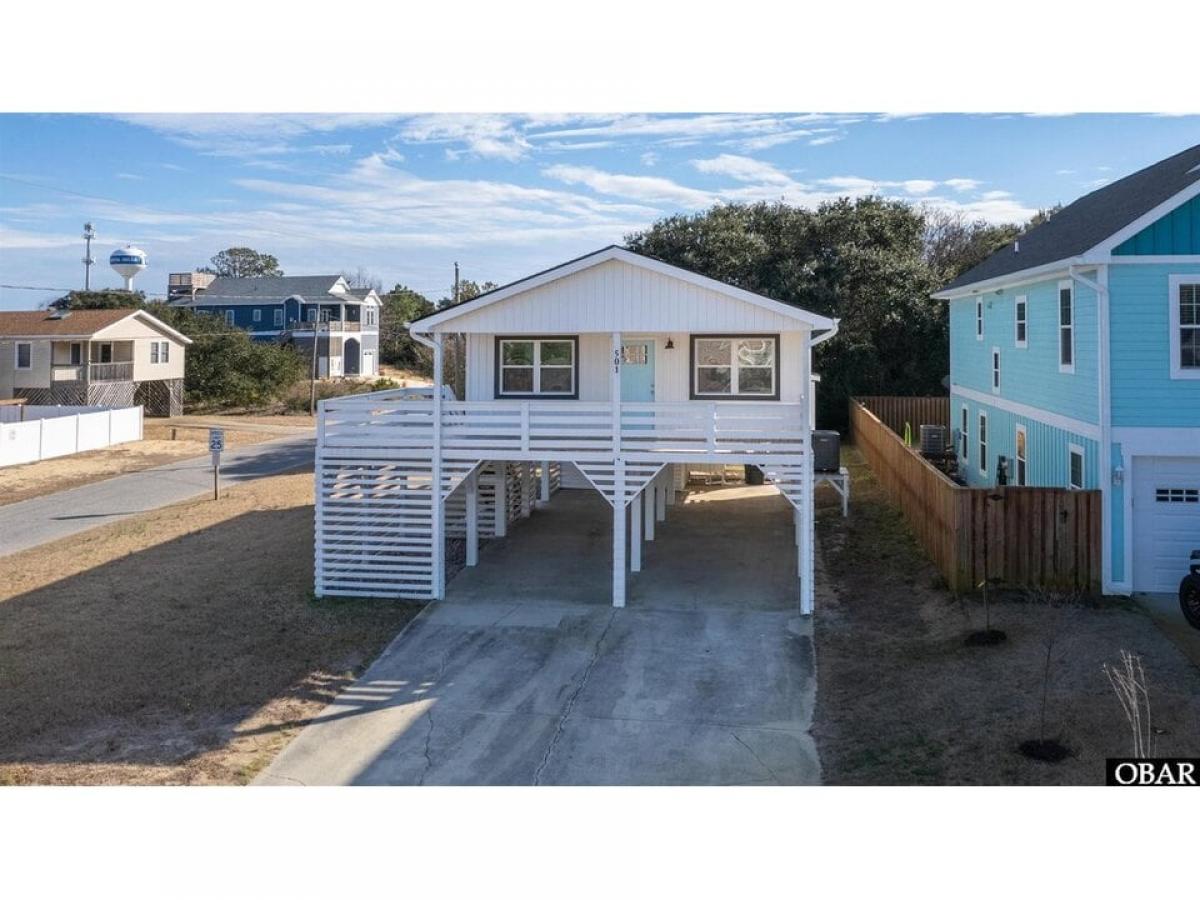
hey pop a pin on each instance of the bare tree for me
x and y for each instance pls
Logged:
(363, 278)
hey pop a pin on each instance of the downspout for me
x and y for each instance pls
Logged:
(1100, 286)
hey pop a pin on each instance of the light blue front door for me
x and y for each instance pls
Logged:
(637, 371)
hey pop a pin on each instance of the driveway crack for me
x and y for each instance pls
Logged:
(437, 683)
(562, 721)
(757, 758)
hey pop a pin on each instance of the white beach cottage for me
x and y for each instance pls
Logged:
(614, 367)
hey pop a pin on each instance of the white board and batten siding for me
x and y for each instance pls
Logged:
(616, 296)
(672, 368)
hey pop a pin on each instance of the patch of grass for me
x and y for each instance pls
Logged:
(901, 699)
(181, 646)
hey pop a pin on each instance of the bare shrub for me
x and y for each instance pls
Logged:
(1129, 681)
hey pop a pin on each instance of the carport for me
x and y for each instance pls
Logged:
(525, 673)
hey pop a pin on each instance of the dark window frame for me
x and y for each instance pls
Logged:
(721, 398)
(499, 394)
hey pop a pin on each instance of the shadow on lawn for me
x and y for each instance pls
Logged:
(158, 655)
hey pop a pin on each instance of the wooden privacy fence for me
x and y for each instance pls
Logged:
(1016, 536)
(895, 412)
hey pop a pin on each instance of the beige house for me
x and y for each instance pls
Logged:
(92, 357)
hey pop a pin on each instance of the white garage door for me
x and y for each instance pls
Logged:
(1166, 520)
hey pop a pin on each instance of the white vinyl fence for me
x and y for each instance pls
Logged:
(50, 431)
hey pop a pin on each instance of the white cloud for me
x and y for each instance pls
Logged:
(827, 139)
(742, 168)
(649, 158)
(962, 184)
(918, 186)
(128, 176)
(995, 195)
(643, 188)
(486, 136)
(253, 134)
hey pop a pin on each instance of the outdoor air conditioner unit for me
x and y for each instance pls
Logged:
(827, 447)
(935, 440)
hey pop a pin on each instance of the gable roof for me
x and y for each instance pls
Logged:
(234, 291)
(1091, 220)
(621, 254)
(77, 323)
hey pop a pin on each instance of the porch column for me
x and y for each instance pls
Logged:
(473, 518)
(648, 499)
(501, 499)
(438, 535)
(662, 484)
(545, 496)
(618, 542)
(635, 534)
(670, 483)
(526, 489)
(806, 534)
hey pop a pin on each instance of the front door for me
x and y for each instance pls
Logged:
(637, 371)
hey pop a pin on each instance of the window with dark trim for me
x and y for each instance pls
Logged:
(983, 443)
(24, 355)
(1022, 321)
(1022, 455)
(278, 317)
(735, 367)
(76, 353)
(537, 367)
(1066, 327)
(1075, 468)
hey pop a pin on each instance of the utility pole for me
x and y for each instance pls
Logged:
(456, 282)
(88, 233)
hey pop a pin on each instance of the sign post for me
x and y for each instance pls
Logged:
(216, 443)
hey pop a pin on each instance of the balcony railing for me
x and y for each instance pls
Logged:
(111, 371)
(63, 372)
(383, 426)
(334, 326)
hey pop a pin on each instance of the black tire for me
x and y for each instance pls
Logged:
(1189, 599)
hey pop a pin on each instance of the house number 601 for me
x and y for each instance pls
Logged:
(616, 360)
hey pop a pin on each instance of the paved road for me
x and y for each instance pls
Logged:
(53, 516)
(526, 674)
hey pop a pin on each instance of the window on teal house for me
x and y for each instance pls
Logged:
(979, 318)
(1021, 329)
(1022, 456)
(964, 435)
(1075, 467)
(1185, 326)
(995, 370)
(983, 443)
(1066, 327)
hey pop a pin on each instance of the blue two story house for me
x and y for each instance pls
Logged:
(1075, 362)
(291, 309)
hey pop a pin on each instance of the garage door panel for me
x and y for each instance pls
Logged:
(1166, 520)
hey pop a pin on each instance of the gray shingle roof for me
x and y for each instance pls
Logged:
(267, 290)
(1090, 220)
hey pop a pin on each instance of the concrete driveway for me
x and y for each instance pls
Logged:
(526, 674)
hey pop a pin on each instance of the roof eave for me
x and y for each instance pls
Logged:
(1021, 276)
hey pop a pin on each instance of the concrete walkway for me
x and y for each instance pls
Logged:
(526, 674)
(53, 516)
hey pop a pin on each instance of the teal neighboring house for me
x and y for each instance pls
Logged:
(1075, 362)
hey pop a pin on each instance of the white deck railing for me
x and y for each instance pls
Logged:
(730, 431)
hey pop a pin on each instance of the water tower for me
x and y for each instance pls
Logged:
(127, 262)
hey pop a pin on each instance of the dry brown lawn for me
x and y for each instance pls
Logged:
(182, 646)
(50, 475)
(902, 700)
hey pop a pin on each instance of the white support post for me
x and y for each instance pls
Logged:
(472, 488)
(526, 489)
(806, 533)
(614, 388)
(661, 486)
(545, 497)
(670, 484)
(635, 534)
(438, 530)
(618, 542)
(647, 499)
(501, 499)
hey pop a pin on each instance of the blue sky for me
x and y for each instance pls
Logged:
(405, 196)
